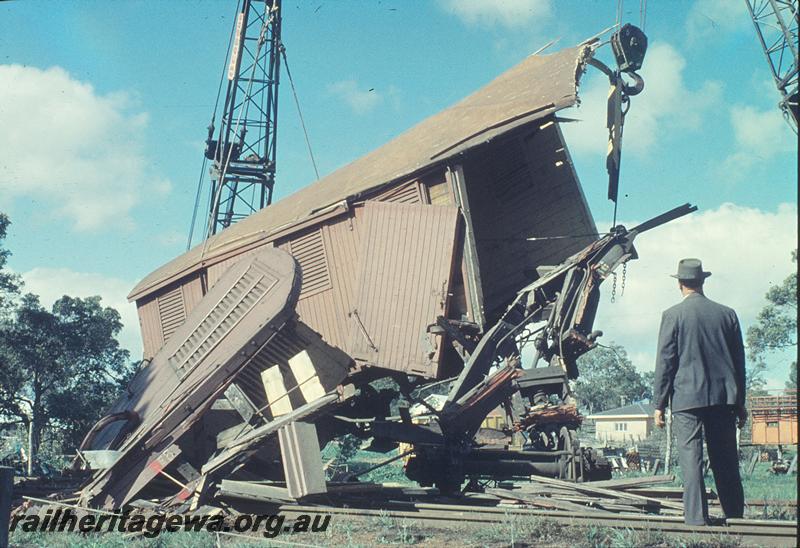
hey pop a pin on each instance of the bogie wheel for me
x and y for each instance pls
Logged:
(571, 463)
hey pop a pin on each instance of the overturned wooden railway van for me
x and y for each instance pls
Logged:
(265, 329)
(432, 224)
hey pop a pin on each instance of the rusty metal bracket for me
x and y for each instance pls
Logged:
(354, 315)
(463, 346)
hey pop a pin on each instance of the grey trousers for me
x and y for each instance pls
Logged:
(718, 424)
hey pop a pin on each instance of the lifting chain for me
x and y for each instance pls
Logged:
(614, 288)
(622, 286)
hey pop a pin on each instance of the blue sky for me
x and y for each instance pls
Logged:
(104, 105)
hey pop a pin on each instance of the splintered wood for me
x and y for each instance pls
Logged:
(634, 495)
(552, 414)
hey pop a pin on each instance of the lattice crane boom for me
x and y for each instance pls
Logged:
(776, 23)
(242, 150)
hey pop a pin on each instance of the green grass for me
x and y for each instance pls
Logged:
(763, 484)
(165, 540)
(383, 530)
(118, 540)
(602, 537)
(389, 530)
(391, 473)
(518, 531)
(622, 538)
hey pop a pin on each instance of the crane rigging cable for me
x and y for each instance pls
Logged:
(642, 14)
(258, 169)
(201, 179)
(299, 111)
(619, 24)
(209, 229)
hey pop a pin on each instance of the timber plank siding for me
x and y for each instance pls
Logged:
(500, 165)
(404, 284)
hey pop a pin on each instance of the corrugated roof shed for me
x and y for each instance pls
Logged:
(538, 86)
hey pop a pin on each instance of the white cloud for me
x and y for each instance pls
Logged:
(760, 135)
(667, 103)
(707, 19)
(507, 13)
(360, 101)
(53, 283)
(171, 238)
(72, 148)
(746, 249)
(759, 131)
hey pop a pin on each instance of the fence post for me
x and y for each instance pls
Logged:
(6, 494)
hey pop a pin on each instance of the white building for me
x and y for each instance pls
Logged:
(631, 423)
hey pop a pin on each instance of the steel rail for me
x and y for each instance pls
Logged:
(748, 531)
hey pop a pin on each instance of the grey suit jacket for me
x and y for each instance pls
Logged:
(700, 360)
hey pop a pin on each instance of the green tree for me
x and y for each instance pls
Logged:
(649, 379)
(61, 368)
(608, 378)
(9, 283)
(775, 330)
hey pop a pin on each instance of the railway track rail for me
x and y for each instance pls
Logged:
(749, 532)
(445, 516)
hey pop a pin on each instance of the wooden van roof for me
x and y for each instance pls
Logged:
(538, 86)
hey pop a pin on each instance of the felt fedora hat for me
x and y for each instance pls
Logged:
(691, 269)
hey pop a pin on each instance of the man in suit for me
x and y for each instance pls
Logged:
(700, 375)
